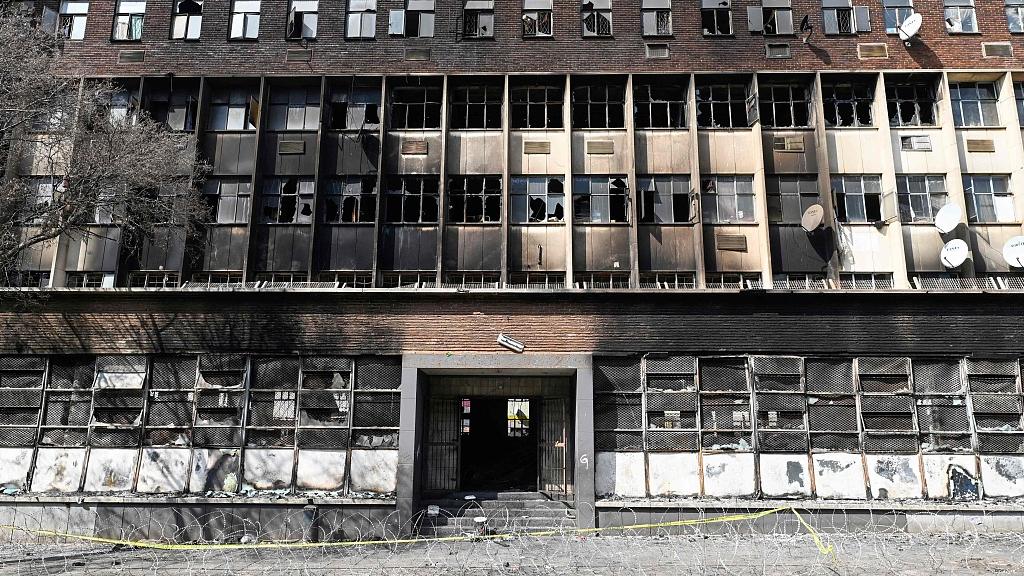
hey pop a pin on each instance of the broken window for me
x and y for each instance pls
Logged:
(941, 406)
(117, 400)
(538, 199)
(73, 16)
(537, 19)
(153, 279)
(727, 199)
(784, 105)
(537, 106)
(895, 13)
(67, 404)
(351, 199)
(89, 280)
(960, 17)
(295, 108)
(848, 104)
(842, 17)
(325, 402)
(478, 19)
(302, 19)
(671, 400)
(233, 109)
(415, 107)
(858, 198)
(1015, 15)
(789, 196)
(171, 399)
(721, 105)
(175, 109)
(271, 413)
(726, 423)
(287, 200)
(988, 198)
(598, 106)
(376, 407)
(772, 17)
(659, 106)
(411, 199)
(229, 198)
(123, 107)
(910, 103)
(781, 405)
(416, 21)
(128, 19)
(831, 406)
(997, 409)
(887, 409)
(187, 19)
(354, 108)
(618, 405)
(656, 17)
(474, 199)
(21, 399)
(664, 199)
(476, 107)
(409, 279)
(920, 197)
(974, 103)
(362, 19)
(600, 199)
(245, 20)
(716, 17)
(597, 17)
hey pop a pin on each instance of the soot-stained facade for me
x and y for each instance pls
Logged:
(746, 258)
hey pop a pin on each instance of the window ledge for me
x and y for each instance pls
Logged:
(910, 127)
(719, 35)
(662, 129)
(669, 224)
(787, 128)
(1012, 224)
(726, 128)
(475, 224)
(559, 223)
(974, 33)
(285, 224)
(851, 127)
(658, 36)
(731, 223)
(551, 37)
(993, 127)
(615, 224)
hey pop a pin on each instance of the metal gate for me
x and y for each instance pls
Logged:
(444, 420)
(554, 475)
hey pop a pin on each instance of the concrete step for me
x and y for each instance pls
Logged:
(460, 507)
(458, 526)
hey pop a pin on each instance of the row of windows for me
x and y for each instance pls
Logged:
(773, 17)
(776, 105)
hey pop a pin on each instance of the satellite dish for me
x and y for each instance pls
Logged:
(812, 218)
(954, 253)
(1013, 251)
(910, 27)
(948, 218)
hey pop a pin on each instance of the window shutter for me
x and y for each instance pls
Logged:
(254, 111)
(49, 20)
(831, 22)
(862, 17)
(650, 23)
(752, 110)
(784, 20)
(755, 19)
(396, 23)
(426, 25)
(889, 208)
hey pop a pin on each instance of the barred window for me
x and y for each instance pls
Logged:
(537, 19)
(656, 17)
(478, 19)
(72, 19)
(596, 18)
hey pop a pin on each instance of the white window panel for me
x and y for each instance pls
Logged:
(361, 25)
(74, 7)
(131, 7)
(362, 5)
(420, 5)
(536, 4)
(426, 25)
(396, 23)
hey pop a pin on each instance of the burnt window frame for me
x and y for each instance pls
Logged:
(428, 101)
(552, 105)
(520, 187)
(933, 191)
(842, 196)
(617, 202)
(713, 12)
(804, 193)
(733, 215)
(768, 105)
(278, 188)
(233, 99)
(672, 110)
(400, 191)
(283, 103)
(478, 19)
(860, 98)
(466, 99)
(600, 11)
(218, 202)
(654, 189)
(340, 189)
(923, 99)
(485, 189)
(540, 12)
(599, 97)
(733, 105)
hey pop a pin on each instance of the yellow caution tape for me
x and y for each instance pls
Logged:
(463, 538)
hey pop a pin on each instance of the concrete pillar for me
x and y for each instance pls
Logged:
(409, 438)
(584, 457)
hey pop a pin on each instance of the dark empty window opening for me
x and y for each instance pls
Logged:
(784, 106)
(789, 196)
(474, 199)
(411, 199)
(351, 199)
(848, 104)
(858, 198)
(538, 199)
(287, 201)
(721, 105)
(659, 106)
(416, 108)
(476, 107)
(354, 108)
(537, 107)
(716, 21)
(664, 199)
(911, 103)
(596, 17)
(598, 106)
(600, 199)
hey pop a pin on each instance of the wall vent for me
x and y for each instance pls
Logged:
(780, 50)
(657, 51)
(600, 147)
(417, 53)
(996, 49)
(536, 147)
(298, 55)
(417, 147)
(917, 143)
(731, 242)
(788, 144)
(291, 147)
(979, 145)
(131, 56)
(865, 51)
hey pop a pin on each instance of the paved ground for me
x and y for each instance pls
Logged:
(869, 554)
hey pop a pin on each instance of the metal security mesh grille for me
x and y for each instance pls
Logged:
(16, 417)
(63, 437)
(379, 372)
(617, 411)
(22, 363)
(18, 436)
(726, 441)
(674, 441)
(272, 409)
(1002, 422)
(319, 408)
(672, 419)
(1001, 443)
(776, 365)
(222, 362)
(671, 364)
(683, 402)
(374, 439)
(114, 437)
(275, 373)
(829, 376)
(886, 404)
(992, 367)
(942, 418)
(21, 399)
(890, 443)
(835, 442)
(217, 436)
(885, 383)
(72, 372)
(169, 409)
(782, 402)
(945, 443)
(979, 383)
(937, 377)
(173, 373)
(323, 438)
(887, 421)
(121, 364)
(9, 379)
(662, 382)
(835, 416)
(621, 441)
(326, 364)
(781, 441)
(278, 437)
(167, 437)
(67, 409)
(723, 375)
(993, 403)
(378, 409)
(778, 382)
(616, 374)
(870, 365)
(725, 413)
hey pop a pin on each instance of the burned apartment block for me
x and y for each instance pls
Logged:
(642, 253)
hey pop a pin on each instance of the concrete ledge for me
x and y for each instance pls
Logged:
(982, 507)
(133, 500)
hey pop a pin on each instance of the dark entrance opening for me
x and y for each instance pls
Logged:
(499, 447)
